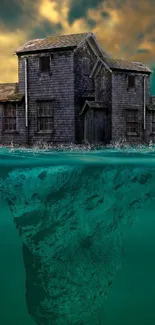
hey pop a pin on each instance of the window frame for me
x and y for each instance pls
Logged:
(43, 118)
(131, 84)
(10, 116)
(86, 66)
(42, 65)
(132, 122)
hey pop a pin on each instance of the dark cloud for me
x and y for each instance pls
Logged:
(150, 28)
(79, 9)
(46, 29)
(141, 51)
(10, 12)
(91, 23)
(13, 13)
(140, 36)
(105, 15)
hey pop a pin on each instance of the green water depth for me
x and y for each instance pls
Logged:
(78, 237)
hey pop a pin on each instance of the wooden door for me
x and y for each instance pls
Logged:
(99, 126)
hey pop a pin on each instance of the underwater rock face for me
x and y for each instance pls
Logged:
(72, 221)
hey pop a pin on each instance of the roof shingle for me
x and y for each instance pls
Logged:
(117, 64)
(53, 42)
(9, 92)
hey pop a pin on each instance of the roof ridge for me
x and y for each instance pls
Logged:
(121, 64)
(53, 42)
(63, 35)
(117, 59)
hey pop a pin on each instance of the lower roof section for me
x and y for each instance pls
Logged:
(9, 92)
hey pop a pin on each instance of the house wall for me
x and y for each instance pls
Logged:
(103, 93)
(149, 135)
(82, 84)
(18, 137)
(123, 99)
(58, 85)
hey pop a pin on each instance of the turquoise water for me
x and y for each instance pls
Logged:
(77, 237)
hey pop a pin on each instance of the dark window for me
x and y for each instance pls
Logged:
(44, 63)
(9, 117)
(131, 81)
(132, 122)
(153, 121)
(86, 66)
(45, 116)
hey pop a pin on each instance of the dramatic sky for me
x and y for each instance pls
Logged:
(125, 28)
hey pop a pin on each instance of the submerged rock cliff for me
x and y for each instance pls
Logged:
(72, 221)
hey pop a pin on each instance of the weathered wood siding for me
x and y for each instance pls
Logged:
(103, 93)
(83, 83)
(19, 136)
(58, 85)
(124, 99)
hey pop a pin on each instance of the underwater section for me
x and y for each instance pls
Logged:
(86, 225)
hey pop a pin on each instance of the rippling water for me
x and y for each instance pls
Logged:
(77, 237)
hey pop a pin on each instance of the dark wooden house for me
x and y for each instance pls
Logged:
(70, 91)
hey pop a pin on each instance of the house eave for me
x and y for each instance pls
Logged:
(57, 49)
(4, 101)
(97, 67)
(94, 69)
(132, 71)
(93, 42)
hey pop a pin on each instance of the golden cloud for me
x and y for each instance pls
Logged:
(117, 34)
(9, 41)
(49, 10)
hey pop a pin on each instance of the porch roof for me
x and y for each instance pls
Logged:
(92, 104)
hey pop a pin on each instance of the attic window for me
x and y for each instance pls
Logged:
(131, 81)
(86, 66)
(44, 62)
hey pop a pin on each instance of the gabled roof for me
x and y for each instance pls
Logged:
(97, 66)
(53, 42)
(92, 104)
(117, 64)
(9, 92)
